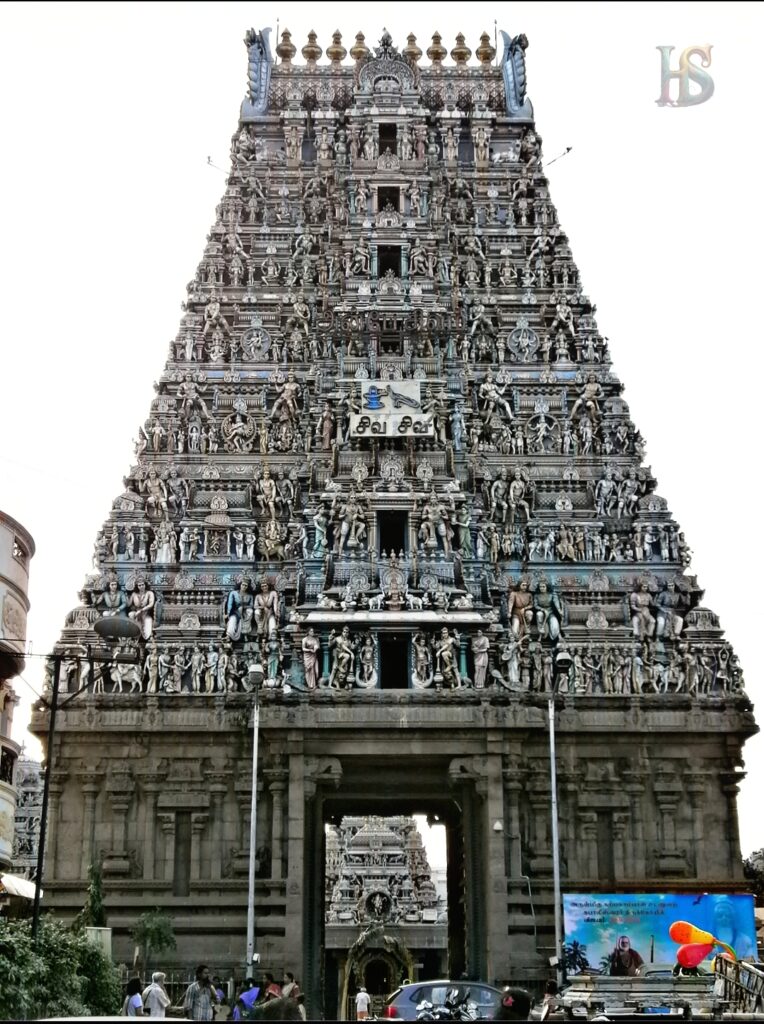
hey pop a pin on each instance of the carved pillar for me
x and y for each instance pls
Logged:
(325, 652)
(218, 790)
(587, 830)
(635, 788)
(151, 791)
(167, 824)
(90, 790)
(54, 803)
(730, 789)
(495, 917)
(569, 784)
(277, 785)
(198, 825)
(513, 787)
(463, 658)
(695, 785)
(119, 806)
(620, 831)
(405, 260)
(295, 853)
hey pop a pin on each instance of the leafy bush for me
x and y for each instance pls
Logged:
(64, 975)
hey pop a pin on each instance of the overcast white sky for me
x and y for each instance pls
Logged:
(109, 113)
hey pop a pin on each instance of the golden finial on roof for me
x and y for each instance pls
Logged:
(485, 52)
(411, 50)
(437, 51)
(359, 48)
(336, 52)
(311, 51)
(286, 48)
(461, 53)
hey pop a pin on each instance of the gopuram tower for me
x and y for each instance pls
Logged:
(388, 464)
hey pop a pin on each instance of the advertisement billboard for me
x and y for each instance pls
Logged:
(615, 933)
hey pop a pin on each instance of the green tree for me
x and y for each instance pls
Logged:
(152, 933)
(20, 967)
(93, 914)
(102, 985)
(63, 975)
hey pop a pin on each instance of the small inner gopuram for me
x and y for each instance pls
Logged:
(387, 502)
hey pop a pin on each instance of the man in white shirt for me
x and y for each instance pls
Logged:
(362, 1001)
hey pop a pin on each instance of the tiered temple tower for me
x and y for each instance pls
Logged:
(378, 877)
(389, 460)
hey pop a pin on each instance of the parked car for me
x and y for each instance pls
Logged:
(402, 1004)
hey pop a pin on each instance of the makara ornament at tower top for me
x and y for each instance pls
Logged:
(389, 461)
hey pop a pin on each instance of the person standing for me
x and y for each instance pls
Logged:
(217, 984)
(246, 999)
(272, 989)
(133, 1004)
(155, 998)
(290, 987)
(200, 996)
(362, 1001)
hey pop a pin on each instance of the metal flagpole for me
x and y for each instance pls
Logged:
(45, 797)
(555, 847)
(256, 672)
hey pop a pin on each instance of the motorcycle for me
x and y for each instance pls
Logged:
(453, 1008)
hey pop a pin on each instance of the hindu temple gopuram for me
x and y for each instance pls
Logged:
(389, 469)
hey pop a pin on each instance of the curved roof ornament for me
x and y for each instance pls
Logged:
(260, 62)
(519, 107)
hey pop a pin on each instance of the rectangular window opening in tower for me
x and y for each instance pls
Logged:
(392, 531)
(389, 259)
(388, 136)
(389, 194)
(394, 661)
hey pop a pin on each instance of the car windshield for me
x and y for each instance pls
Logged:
(483, 996)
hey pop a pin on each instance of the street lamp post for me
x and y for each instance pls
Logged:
(563, 662)
(116, 627)
(256, 674)
(45, 797)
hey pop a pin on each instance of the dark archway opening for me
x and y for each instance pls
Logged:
(389, 259)
(394, 671)
(392, 531)
(388, 137)
(377, 978)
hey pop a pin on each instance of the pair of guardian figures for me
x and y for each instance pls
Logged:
(246, 611)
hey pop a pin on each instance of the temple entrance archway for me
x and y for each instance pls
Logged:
(379, 973)
(385, 788)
